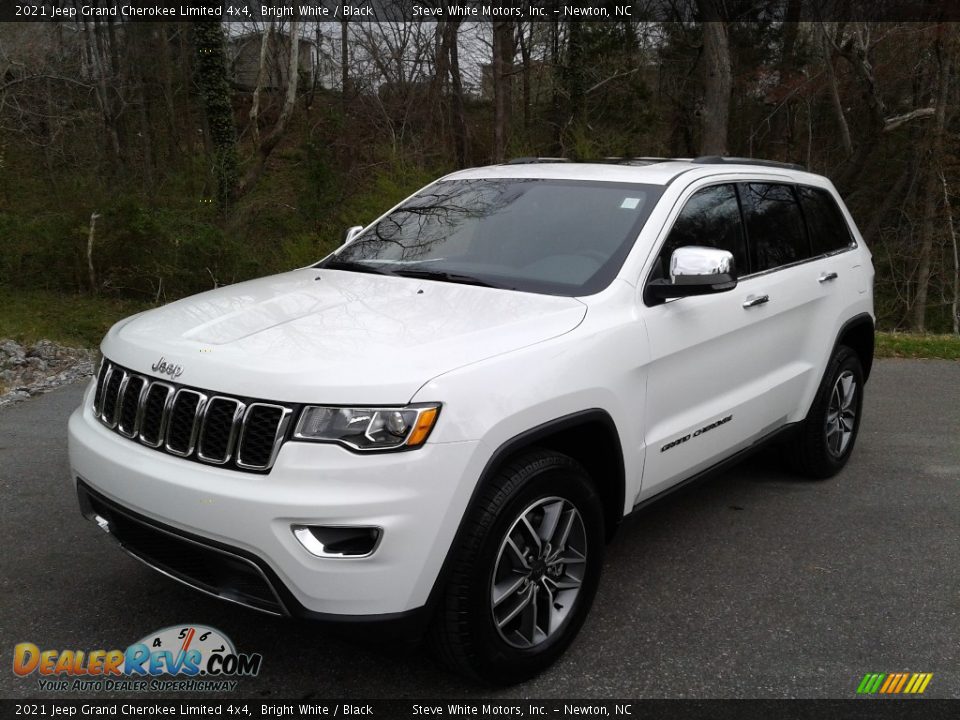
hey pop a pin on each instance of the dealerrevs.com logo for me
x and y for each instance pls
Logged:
(178, 658)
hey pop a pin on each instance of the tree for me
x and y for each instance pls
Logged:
(718, 80)
(211, 77)
(502, 69)
(943, 53)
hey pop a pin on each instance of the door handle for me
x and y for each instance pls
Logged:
(827, 277)
(754, 300)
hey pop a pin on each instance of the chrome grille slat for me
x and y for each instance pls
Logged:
(98, 390)
(191, 417)
(278, 436)
(233, 431)
(111, 398)
(190, 423)
(161, 421)
(137, 384)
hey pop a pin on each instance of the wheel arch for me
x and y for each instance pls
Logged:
(857, 333)
(590, 437)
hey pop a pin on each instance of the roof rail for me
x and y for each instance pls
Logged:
(721, 160)
(643, 160)
(531, 160)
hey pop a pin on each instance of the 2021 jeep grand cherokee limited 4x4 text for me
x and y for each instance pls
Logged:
(440, 425)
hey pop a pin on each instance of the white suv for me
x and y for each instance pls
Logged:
(439, 426)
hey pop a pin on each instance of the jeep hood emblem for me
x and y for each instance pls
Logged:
(164, 368)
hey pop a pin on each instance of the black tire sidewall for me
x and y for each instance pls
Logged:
(501, 661)
(845, 359)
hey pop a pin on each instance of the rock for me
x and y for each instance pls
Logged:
(36, 364)
(46, 350)
(13, 396)
(41, 368)
(11, 354)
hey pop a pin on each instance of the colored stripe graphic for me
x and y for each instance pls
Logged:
(894, 683)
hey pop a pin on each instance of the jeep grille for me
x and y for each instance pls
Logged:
(234, 432)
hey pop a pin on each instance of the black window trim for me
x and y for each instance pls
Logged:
(854, 244)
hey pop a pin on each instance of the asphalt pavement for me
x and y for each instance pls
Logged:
(750, 585)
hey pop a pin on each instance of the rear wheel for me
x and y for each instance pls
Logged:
(525, 574)
(825, 439)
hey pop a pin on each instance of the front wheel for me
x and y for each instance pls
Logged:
(825, 439)
(525, 574)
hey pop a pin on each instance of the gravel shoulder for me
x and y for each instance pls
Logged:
(28, 370)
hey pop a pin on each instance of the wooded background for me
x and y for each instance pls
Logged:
(154, 160)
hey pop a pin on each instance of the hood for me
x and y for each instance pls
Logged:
(329, 336)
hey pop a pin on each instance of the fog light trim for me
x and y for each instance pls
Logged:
(351, 542)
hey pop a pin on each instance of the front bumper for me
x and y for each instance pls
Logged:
(165, 508)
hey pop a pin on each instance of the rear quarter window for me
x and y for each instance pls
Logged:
(828, 228)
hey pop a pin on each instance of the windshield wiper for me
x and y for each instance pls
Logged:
(444, 276)
(354, 266)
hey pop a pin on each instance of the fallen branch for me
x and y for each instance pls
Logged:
(90, 237)
(893, 123)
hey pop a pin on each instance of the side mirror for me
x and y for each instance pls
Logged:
(351, 234)
(695, 270)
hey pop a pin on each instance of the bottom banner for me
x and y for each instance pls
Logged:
(491, 709)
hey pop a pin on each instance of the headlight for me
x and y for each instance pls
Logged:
(364, 428)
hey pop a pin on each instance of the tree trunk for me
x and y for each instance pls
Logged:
(892, 197)
(856, 52)
(166, 77)
(211, 74)
(460, 135)
(525, 59)
(96, 63)
(262, 73)
(935, 155)
(344, 59)
(555, 81)
(718, 81)
(290, 100)
(438, 101)
(955, 303)
(827, 52)
(576, 84)
(502, 60)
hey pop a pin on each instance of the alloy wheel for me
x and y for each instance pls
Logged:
(841, 413)
(539, 572)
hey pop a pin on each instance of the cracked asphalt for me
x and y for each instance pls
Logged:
(750, 585)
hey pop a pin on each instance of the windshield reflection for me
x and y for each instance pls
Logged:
(550, 236)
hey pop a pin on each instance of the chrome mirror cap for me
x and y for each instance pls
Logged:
(694, 270)
(695, 264)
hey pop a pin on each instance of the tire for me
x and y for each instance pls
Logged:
(825, 439)
(504, 642)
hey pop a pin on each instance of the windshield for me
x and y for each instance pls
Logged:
(560, 237)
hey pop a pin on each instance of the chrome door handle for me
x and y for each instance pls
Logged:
(754, 300)
(827, 277)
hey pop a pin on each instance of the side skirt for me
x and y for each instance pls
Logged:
(727, 462)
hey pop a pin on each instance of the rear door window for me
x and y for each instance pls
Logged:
(776, 231)
(828, 228)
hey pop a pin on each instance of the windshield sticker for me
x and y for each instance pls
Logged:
(630, 203)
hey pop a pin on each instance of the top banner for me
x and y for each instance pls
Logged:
(482, 10)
